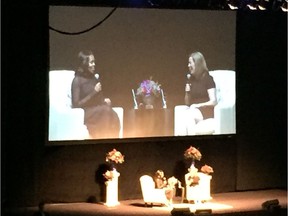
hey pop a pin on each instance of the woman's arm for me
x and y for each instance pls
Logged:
(212, 99)
(77, 102)
(187, 92)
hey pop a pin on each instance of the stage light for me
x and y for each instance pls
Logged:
(271, 205)
(252, 5)
(279, 5)
(203, 212)
(284, 6)
(233, 4)
(181, 212)
(263, 4)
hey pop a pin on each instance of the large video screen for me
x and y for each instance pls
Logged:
(121, 73)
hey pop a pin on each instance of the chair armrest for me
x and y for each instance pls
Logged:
(120, 113)
(67, 124)
(224, 115)
(179, 120)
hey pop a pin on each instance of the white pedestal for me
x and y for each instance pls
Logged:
(112, 190)
(200, 192)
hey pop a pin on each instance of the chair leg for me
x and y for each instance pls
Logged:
(182, 194)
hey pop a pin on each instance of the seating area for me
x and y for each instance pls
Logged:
(66, 123)
(196, 193)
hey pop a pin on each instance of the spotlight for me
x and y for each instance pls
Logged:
(284, 6)
(263, 4)
(252, 5)
(181, 212)
(206, 212)
(233, 4)
(271, 205)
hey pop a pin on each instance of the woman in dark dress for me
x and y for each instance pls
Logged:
(200, 95)
(100, 119)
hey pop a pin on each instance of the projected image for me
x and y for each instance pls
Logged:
(141, 73)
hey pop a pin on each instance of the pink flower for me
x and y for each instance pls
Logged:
(115, 156)
(207, 169)
(149, 87)
(193, 153)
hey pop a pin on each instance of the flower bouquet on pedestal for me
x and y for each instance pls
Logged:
(194, 154)
(197, 183)
(192, 177)
(111, 176)
(114, 157)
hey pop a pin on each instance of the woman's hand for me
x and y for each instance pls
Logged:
(98, 87)
(195, 106)
(187, 87)
(107, 101)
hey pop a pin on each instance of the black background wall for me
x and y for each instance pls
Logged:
(253, 159)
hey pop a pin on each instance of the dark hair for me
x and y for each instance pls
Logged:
(83, 57)
(158, 173)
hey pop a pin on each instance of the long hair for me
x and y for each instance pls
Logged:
(200, 64)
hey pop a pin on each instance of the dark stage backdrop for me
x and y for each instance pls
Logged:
(254, 159)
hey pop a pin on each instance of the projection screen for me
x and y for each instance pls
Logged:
(131, 45)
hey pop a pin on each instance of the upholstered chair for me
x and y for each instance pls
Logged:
(224, 112)
(65, 122)
(151, 194)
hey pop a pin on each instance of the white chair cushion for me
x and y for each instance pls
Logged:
(60, 88)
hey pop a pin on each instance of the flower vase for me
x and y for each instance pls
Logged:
(192, 164)
(112, 165)
(149, 101)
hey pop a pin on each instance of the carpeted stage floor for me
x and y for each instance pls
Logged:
(236, 203)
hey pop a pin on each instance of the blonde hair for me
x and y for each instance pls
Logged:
(200, 64)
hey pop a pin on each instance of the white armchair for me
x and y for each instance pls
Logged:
(65, 122)
(150, 193)
(224, 112)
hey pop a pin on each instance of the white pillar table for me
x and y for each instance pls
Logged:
(200, 192)
(112, 190)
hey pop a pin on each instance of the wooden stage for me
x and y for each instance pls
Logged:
(234, 203)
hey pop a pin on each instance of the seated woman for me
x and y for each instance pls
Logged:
(200, 96)
(100, 119)
(162, 183)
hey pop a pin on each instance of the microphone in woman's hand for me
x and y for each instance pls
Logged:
(98, 86)
(188, 83)
(188, 76)
(97, 76)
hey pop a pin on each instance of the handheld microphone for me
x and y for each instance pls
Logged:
(97, 76)
(188, 77)
(188, 82)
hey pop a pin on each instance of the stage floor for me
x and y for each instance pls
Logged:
(236, 203)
